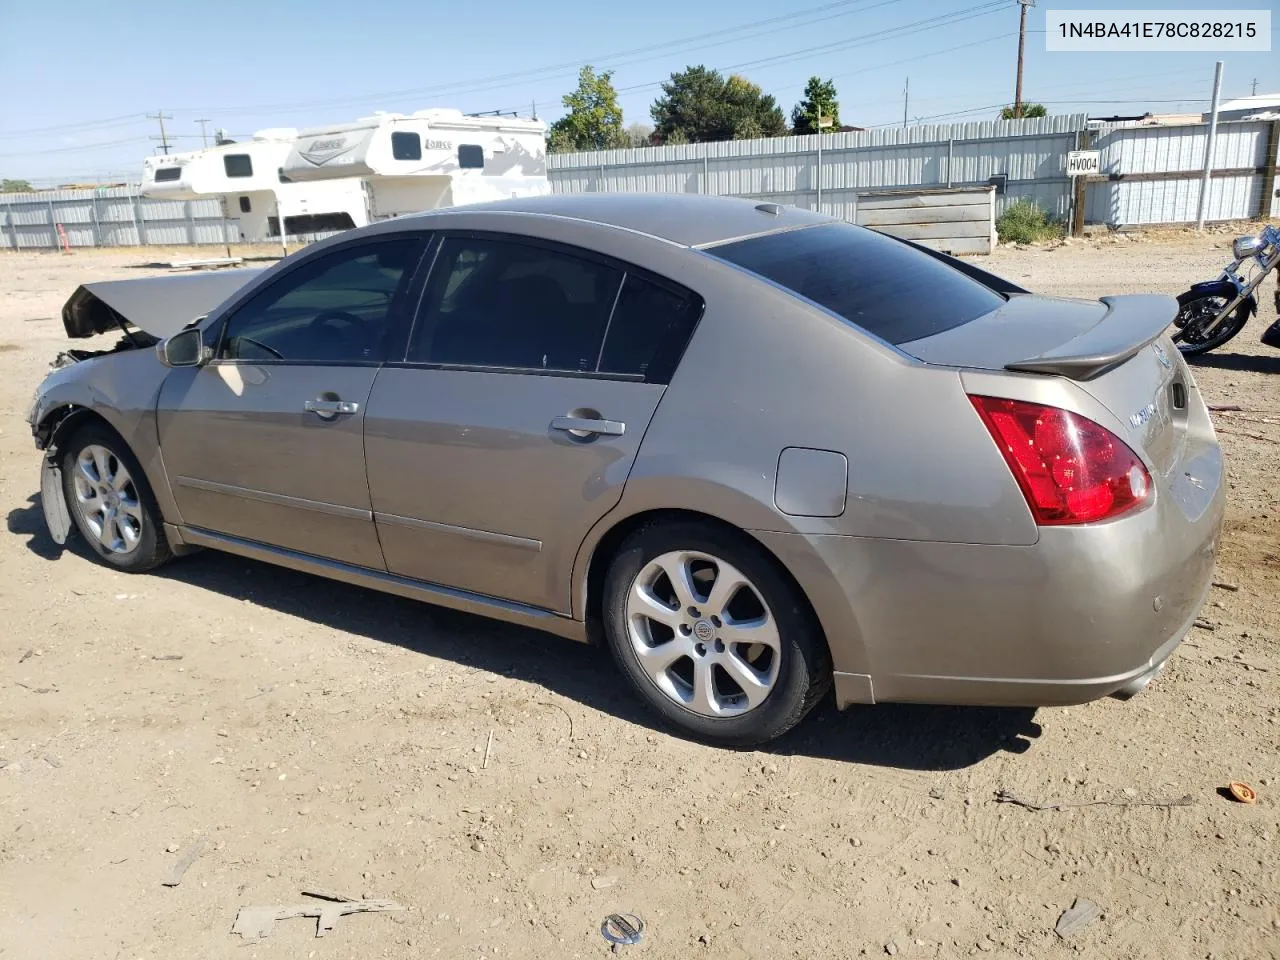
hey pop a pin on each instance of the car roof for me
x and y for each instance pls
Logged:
(690, 220)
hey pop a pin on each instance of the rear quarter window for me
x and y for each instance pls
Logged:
(887, 288)
(649, 330)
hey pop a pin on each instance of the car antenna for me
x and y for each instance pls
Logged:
(773, 208)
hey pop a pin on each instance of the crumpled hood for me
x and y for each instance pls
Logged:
(160, 305)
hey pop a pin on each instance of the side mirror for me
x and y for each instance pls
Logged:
(183, 349)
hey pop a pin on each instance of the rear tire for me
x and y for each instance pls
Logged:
(724, 647)
(1195, 307)
(110, 501)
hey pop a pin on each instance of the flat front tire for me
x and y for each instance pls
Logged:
(110, 501)
(712, 634)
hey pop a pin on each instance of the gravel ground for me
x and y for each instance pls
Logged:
(319, 735)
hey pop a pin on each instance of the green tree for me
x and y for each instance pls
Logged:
(819, 100)
(699, 105)
(1029, 111)
(594, 120)
(15, 186)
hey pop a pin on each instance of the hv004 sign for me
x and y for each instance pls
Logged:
(1081, 163)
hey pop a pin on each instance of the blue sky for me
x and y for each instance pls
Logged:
(78, 85)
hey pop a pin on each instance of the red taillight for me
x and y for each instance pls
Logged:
(1071, 469)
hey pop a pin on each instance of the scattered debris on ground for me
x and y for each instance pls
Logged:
(1005, 796)
(255, 923)
(184, 862)
(1242, 792)
(1077, 917)
(622, 929)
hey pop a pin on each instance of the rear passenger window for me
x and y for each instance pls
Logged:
(507, 304)
(650, 328)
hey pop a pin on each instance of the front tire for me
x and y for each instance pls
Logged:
(712, 634)
(110, 501)
(1195, 310)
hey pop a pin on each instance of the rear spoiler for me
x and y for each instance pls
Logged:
(160, 305)
(1130, 323)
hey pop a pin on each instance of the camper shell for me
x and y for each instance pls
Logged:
(425, 160)
(248, 179)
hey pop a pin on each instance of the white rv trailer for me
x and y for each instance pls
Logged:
(425, 160)
(248, 178)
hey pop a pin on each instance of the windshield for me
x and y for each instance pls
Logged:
(885, 287)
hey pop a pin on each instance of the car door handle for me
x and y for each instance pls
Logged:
(586, 426)
(331, 408)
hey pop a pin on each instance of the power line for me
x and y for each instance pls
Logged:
(891, 33)
(922, 56)
(65, 127)
(792, 20)
(510, 79)
(79, 147)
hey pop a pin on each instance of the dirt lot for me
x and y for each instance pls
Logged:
(320, 735)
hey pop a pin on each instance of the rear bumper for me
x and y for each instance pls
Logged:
(1084, 613)
(1012, 691)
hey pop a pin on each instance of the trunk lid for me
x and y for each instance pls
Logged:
(1115, 349)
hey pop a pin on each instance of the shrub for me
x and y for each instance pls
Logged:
(1024, 222)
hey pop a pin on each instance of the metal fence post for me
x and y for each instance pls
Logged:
(600, 186)
(13, 228)
(97, 220)
(1079, 188)
(705, 185)
(191, 224)
(1202, 208)
(1268, 199)
(135, 207)
(53, 224)
(951, 156)
(818, 205)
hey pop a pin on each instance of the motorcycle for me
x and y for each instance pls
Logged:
(1212, 312)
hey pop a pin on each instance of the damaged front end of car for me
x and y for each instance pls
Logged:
(144, 312)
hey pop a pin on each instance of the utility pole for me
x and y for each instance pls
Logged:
(204, 137)
(533, 104)
(1255, 87)
(906, 98)
(162, 117)
(1022, 43)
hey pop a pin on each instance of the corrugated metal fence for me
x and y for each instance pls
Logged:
(1029, 154)
(1153, 174)
(1149, 175)
(108, 217)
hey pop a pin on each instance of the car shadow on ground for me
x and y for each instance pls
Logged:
(1241, 362)
(888, 735)
(28, 521)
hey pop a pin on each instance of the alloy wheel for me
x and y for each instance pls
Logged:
(107, 500)
(703, 634)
